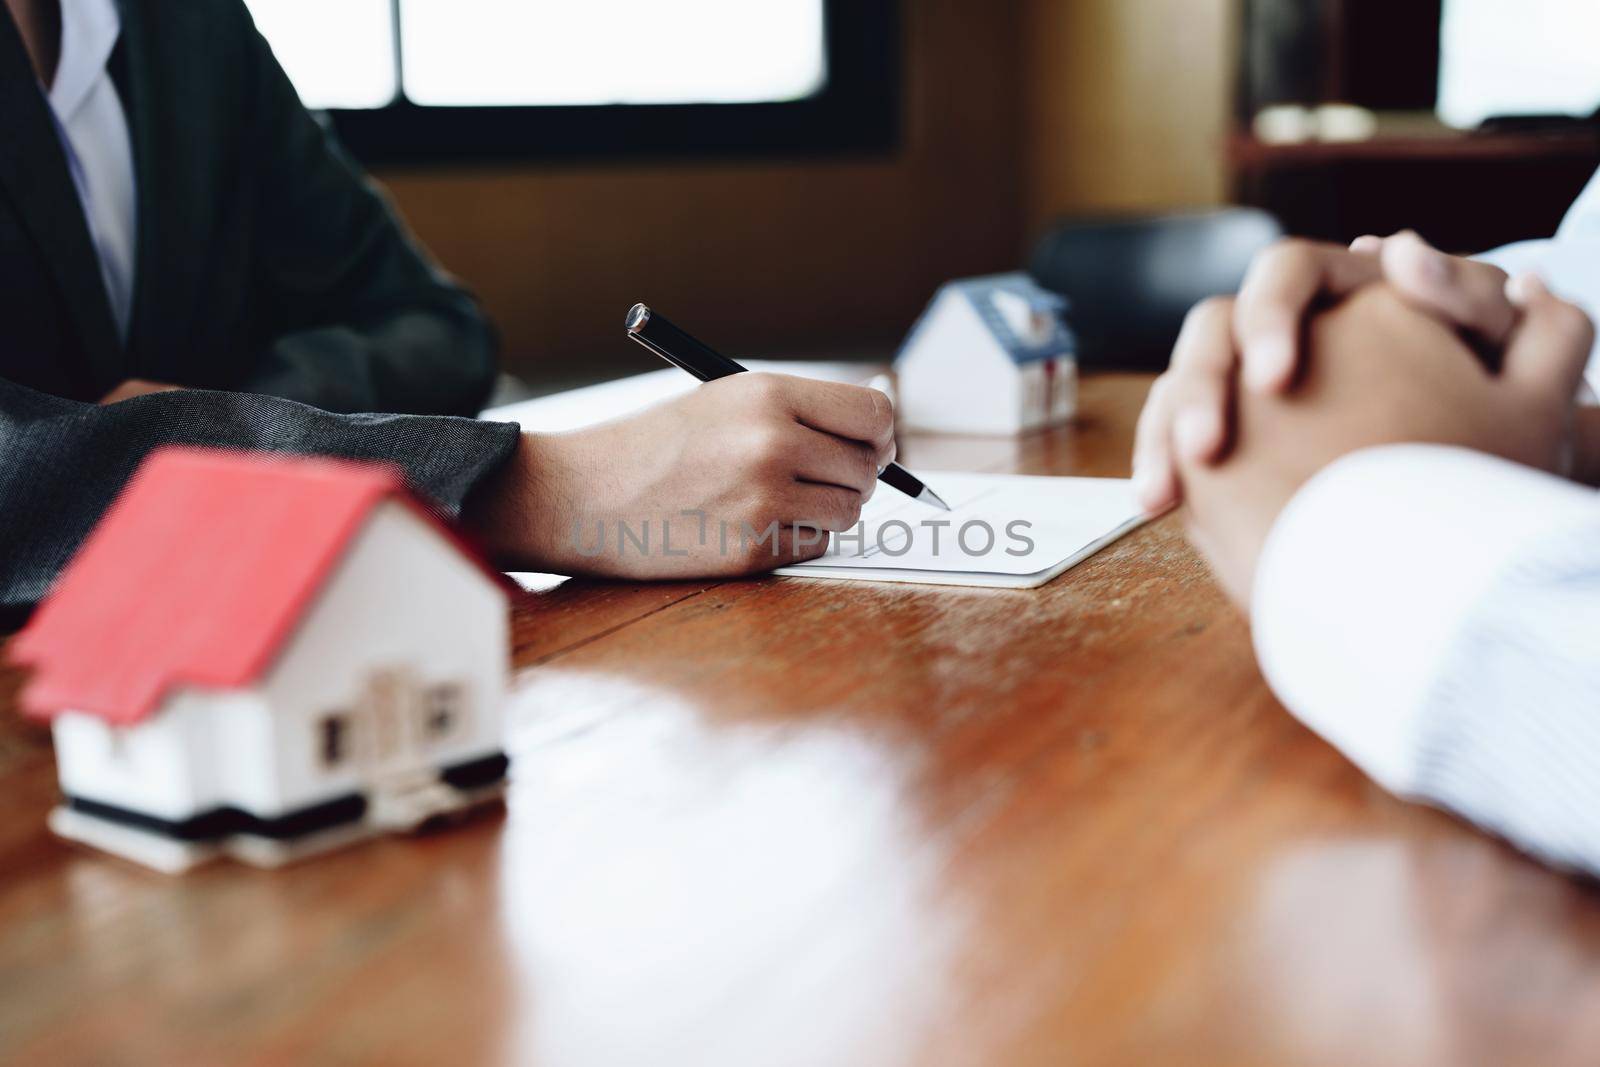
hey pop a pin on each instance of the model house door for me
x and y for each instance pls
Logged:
(393, 703)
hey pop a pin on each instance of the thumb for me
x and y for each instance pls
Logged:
(1549, 349)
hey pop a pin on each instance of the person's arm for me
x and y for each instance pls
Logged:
(1421, 591)
(355, 317)
(1434, 613)
(749, 472)
(62, 462)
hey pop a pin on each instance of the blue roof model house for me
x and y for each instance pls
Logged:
(990, 355)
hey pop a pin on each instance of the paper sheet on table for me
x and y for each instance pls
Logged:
(1040, 527)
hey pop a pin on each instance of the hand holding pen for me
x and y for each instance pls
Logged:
(653, 331)
(742, 475)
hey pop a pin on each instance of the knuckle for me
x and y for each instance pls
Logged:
(846, 510)
(1287, 256)
(766, 445)
(1490, 276)
(866, 468)
(1293, 250)
(812, 551)
(764, 390)
(831, 509)
(882, 416)
(1575, 323)
(1155, 402)
(1208, 312)
(764, 507)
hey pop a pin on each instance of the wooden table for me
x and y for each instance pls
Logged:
(798, 822)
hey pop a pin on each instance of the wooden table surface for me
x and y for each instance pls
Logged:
(801, 822)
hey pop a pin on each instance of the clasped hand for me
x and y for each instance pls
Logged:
(1328, 350)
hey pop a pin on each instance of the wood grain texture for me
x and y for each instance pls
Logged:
(799, 822)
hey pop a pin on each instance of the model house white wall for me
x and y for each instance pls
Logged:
(402, 599)
(954, 378)
(989, 356)
(201, 750)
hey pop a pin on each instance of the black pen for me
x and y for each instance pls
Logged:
(652, 330)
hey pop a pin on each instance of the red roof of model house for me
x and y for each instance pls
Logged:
(196, 576)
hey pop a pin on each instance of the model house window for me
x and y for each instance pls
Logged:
(333, 739)
(443, 712)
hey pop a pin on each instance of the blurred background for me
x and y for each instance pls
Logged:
(796, 177)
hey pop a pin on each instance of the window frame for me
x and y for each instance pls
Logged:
(856, 111)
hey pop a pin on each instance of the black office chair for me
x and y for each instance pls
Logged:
(1131, 281)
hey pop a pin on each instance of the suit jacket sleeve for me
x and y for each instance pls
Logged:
(62, 462)
(355, 316)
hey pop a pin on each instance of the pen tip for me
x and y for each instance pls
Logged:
(928, 496)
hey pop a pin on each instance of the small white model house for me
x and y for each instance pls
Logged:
(267, 656)
(990, 355)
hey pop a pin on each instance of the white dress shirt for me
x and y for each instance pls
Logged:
(94, 134)
(1435, 614)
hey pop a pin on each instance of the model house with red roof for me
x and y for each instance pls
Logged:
(266, 656)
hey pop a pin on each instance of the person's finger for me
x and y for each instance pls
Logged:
(1465, 293)
(1550, 347)
(1201, 381)
(803, 543)
(851, 411)
(1367, 245)
(826, 507)
(756, 551)
(1188, 406)
(1155, 475)
(828, 460)
(1279, 289)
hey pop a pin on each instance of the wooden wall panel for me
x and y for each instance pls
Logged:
(1128, 104)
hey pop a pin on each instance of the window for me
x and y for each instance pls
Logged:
(1534, 57)
(333, 739)
(444, 709)
(419, 80)
(338, 53)
(507, 52)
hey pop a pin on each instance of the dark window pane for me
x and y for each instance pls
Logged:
(334, 739)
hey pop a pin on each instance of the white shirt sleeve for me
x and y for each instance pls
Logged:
(1435, 614)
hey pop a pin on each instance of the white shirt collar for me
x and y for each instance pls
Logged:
(89, 30)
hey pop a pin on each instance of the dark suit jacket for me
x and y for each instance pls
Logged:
(270, 275)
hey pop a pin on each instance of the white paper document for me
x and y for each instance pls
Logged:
(1003, 530)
